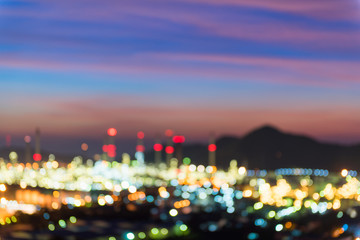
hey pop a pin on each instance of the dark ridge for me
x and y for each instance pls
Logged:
(264, 148)
(269, 148)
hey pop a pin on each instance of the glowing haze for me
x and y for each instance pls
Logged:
(76, 68)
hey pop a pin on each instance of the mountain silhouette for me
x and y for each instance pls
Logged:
(264, 148)
(269, 148)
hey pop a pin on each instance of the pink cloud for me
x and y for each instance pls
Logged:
(332, 71)
(247, 27)
(324, 9)
(213, 68)
(332, 10)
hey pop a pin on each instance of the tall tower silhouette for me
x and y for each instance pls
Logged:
(27, 140)
(8, 140)
(169, 149)
(178, 142)
(104, 147)
(110, 148)
(37, 140)
(37, 155)
(212, 151)
(140, 148)
(157, 150)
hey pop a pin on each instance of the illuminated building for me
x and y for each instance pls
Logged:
(110, 147)
(178, 141)
(8, 140)
(212, 151)
(37, 155)
(27, 140)
(157, 151)
(169, 149)
(140, 149)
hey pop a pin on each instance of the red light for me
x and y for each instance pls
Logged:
(111, 150)
(112, 132)
(104, 148)
(140, 148)
(169, 149)
(111, 154)
(37, 157)
(178, 139)
(169, 132)
(140, 135)
(212, 147)
(158, 147)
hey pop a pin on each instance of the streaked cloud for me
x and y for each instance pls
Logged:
(193, 65)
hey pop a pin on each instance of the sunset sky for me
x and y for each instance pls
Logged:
(75, 68)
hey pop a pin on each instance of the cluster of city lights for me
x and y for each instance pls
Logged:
(176, 186)
(73, 184)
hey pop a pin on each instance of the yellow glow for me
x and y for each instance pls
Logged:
(297, 203)
(56, 194)
(55, 205)
(316, 196)
(55, 164)
(242, 170)
(23, 185)
(2, 187)
(247, 193)
(336, 204)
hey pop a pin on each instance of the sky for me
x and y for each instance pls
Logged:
(76, 68)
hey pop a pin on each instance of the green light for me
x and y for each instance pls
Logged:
(272, 214)
(155, 231)
(183, 227)
(73, 219)
(115, 164)
(134, 163)
(186, 161)
(250, 209)
(13, 218)
(112, 238)
(7, 220)
(142, 235)
(258, 205)
(164, 231)
(62, 223)
(348, 178)
(51, 227)
(289, 202)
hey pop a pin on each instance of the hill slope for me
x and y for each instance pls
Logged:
(269, 148)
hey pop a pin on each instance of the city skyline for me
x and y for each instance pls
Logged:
(180, 119)
(192, 66)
